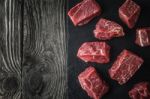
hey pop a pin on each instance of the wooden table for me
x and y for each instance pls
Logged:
(33, 45)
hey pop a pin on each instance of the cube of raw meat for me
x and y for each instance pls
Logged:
(94, 52)
(125, 66)
(143, 37)
(92, 83)
(106, 29)
(129, 13)
(140, 91)
(84, 12)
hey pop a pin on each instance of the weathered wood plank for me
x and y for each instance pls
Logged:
(45, 41)
(10, 48)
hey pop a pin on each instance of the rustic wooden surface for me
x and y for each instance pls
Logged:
(33, 45)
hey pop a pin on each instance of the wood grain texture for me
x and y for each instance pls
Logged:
(10, 49)
(44, 71)
(33, 46)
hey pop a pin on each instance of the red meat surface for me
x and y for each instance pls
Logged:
(143, 37)
(94, 52)
(92, 83)
(125, 66)
(106, 29)
(129, 13)
(84, 12)
(140, 91)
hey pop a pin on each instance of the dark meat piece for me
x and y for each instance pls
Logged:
(143, 37)
(125, 66)
(129, 13)
(84, 12)
(140, 91)
(94, 52)
(106, 29)
(92, 83)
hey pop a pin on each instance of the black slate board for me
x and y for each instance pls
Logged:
(79, 35)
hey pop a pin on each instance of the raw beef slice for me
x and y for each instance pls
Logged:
(84, 12)
(140, 91)
(94, 52)
(129, 13)
(143, 37)
(106, 29)
(92, 83)
(125, 66)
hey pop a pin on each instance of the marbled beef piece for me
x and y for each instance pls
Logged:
(140, 91)
(125, 66)
(84, 12)
(143, 37)
(106, 29)
(92, 83)
(94, 52)
(129, 13)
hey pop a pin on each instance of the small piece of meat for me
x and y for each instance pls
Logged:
(125, 66)
(92, 83)
(129, 13)
(143, 37)
(106, 29)
(140, 91)
(94, 52)
(84, 12)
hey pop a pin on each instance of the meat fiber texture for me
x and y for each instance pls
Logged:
(94, 52)
(140, 91)
(92, 83)
(143, 37)
(125, 66)
(106, 29)
(129, 13)
(84, 12)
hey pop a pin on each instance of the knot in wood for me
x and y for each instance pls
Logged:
(10, 84)
(35, 82)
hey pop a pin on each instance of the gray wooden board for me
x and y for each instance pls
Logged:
(33, 46)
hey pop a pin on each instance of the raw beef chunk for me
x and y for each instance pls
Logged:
(94, 52)
(84, 12)
(140, 91)
(106, 29)
(92, 83)
(129, 13)
(125, 66)
(143, 37)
